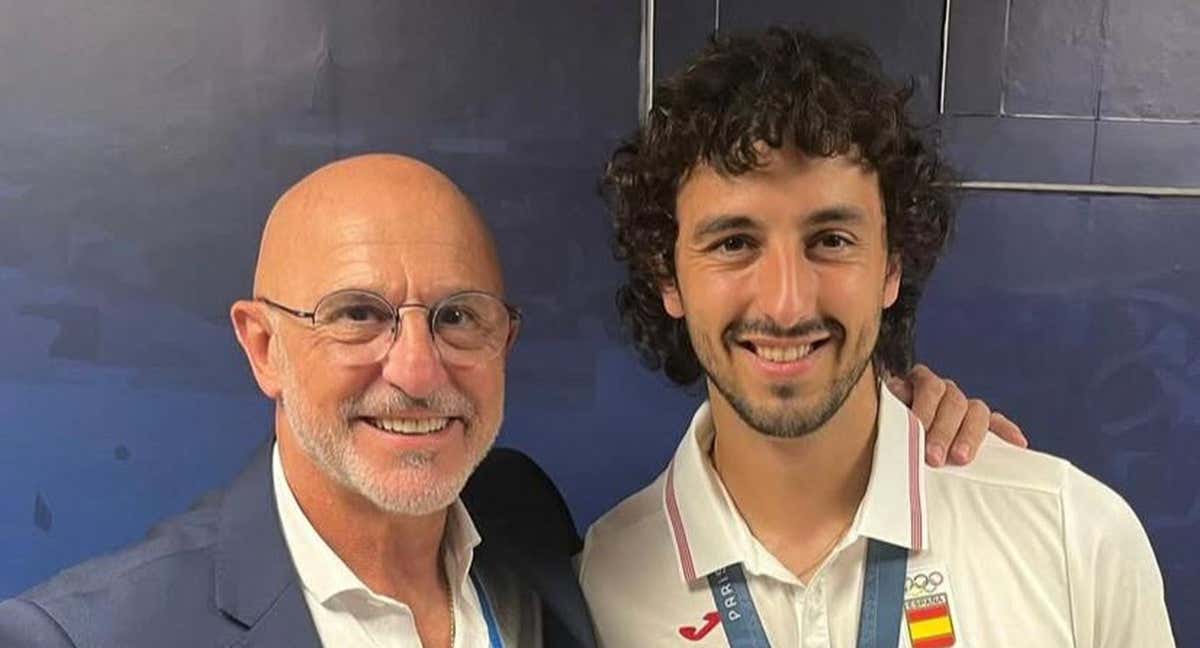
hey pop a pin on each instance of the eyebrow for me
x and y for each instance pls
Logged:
(848, 214)
(723, 223)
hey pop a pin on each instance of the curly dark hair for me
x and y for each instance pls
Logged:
(825, 96)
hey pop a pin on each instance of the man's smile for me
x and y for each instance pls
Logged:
(409, 426)
(781, 350)
(782, 355)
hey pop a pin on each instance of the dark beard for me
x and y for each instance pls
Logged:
(793, 424)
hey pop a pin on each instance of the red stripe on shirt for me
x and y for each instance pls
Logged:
(677, 528)
(914, 480)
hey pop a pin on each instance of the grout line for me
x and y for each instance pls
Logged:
(1051, 187)
(1098, 70)
(945, 56)
(1004, 59)
(646, 61)
(1069, 117)
(1149, 120)
(1064, 116)
(1098, 78)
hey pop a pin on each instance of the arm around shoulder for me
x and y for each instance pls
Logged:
(25, 624)
(1116, 585)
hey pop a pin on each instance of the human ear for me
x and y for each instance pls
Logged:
(672, 302)
(512, 337)
(254, 333)
(891, 283)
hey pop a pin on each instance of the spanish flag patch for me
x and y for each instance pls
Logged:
(929, 622)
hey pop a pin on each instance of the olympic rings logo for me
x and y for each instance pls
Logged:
(928, 583)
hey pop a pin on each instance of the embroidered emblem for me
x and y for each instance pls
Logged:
(927, 610)
(692, 633)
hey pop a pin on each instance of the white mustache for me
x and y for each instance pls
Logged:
(449, 403)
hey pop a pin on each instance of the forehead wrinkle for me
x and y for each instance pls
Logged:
(404, 276)
(812, 185)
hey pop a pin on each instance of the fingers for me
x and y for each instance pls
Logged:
(971, 431)
(955, 425)
(949, 412)
(1004, 428)
(899, 388)
(927, 391)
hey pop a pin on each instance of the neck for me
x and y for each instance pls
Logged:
(799, 495)
(394, 555)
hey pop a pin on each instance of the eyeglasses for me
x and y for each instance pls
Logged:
(468, 328)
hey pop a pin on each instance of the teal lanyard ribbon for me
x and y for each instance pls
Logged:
(489, 614)
(879, 618)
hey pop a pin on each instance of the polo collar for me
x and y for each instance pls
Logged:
(893, 508)
(710, 534)
(704, 523)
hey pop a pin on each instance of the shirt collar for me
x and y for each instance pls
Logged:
(893, 508)
(322, 571)
(703, 522)
(709, 533)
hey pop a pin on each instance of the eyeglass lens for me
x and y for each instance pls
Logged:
(468, 328)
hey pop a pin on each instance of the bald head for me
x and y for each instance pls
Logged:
(362, 222)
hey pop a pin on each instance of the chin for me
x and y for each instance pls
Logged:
(423, 483)
(415, 493)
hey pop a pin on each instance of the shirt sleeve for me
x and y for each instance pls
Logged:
(1116, 588)
(25, 624)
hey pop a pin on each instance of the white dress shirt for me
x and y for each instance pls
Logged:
(1017, 549)
(347, 613)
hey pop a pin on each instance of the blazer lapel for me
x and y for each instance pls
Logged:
(255, 581)
(286, 624)
(257, 586)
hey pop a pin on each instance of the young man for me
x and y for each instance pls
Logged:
(779, 214)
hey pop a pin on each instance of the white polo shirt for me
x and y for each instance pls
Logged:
(348, 613)
(1017, 549)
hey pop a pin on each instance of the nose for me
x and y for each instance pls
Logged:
(787, 286)
(413, 363)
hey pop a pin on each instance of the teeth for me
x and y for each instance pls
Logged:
(411, 426)
(783, 354)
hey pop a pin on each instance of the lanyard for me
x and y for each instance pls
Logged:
(489, 616)
(878, 619)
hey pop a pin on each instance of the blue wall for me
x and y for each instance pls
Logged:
(141, 147)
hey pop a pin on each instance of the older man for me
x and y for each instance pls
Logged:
(379, 328)
(780, 214)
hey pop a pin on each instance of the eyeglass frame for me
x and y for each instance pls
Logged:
(515, 316)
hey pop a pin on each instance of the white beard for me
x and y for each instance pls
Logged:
(412, 484)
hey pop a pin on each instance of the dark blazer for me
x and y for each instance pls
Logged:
(220, 575)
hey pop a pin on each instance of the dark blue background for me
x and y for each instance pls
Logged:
(142, 143)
